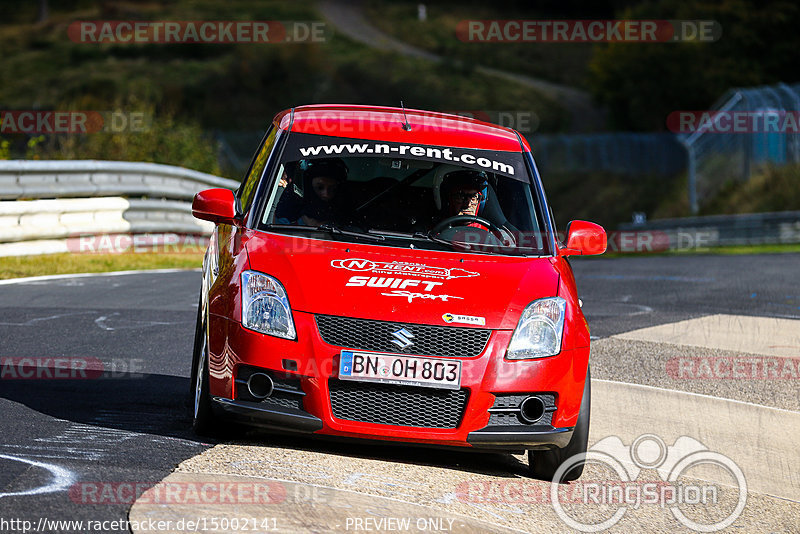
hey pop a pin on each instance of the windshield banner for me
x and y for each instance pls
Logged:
(304, 146)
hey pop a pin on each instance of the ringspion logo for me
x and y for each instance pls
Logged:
(677, 490)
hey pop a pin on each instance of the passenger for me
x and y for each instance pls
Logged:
(319, 201)
(323, 204)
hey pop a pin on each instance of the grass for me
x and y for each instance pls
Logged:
(51, 264)
(610, 199)
(22, 266)
(607, 198)
(769, 189)
(777, 248)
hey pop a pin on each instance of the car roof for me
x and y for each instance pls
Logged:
(386, 124)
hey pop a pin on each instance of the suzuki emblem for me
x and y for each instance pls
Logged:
(402, 338)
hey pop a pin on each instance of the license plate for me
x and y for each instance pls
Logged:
(398, 369)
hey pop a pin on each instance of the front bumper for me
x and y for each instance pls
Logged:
(314, 365)
(274, 418)
(296, 421)
(502, 438)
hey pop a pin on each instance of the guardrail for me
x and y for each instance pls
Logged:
(716, 230)
(45, 205)
(24, 179)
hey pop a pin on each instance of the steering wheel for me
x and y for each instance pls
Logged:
(464, 220)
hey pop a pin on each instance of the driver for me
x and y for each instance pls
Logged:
(464, 193)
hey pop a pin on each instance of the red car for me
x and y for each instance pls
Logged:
(394, 275)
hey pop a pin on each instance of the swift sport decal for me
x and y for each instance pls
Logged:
(400, 284)
(401, 268)
(425, 296)
(384, 282)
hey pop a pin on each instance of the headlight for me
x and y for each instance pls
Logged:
(265, 307)
(539, 330)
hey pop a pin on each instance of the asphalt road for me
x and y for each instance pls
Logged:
(128, 425)
(624, 294)
(131, 424)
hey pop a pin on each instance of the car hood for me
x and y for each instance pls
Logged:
(402, 284)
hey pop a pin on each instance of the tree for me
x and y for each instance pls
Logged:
(642, 83)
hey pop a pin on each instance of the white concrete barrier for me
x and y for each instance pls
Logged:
(45, 204)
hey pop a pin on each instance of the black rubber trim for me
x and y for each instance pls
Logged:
(279, 419)
(500, 438)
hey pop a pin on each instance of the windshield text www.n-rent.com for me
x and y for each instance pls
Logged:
(428, 152)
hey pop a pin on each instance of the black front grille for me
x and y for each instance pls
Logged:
(377, 336)
(389, 404)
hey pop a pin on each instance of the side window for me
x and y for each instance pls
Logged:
(247, 190)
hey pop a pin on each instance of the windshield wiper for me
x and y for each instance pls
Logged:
(427, 237)
(467, 247)
(287, 227)
(327, 227)
(333, 229)
(477, 248)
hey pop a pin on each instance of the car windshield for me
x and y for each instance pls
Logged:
(421, 195)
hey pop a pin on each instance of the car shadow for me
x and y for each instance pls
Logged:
(134, 402)
(159, 405)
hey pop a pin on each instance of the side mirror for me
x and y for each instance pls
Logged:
(215, 205)
(585, 238)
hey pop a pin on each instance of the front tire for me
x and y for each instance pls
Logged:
(204, 421)
(544, 464)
